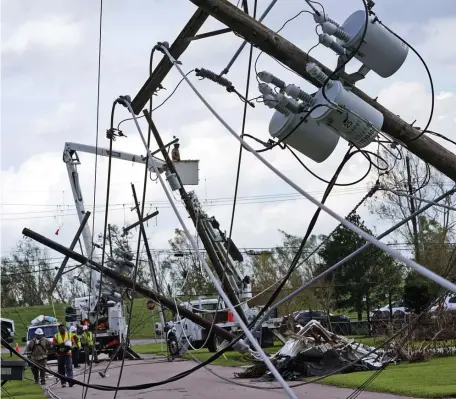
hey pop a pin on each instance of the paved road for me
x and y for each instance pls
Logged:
(133, 342)
(199, 385)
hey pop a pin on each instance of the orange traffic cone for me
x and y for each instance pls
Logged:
(17, 347)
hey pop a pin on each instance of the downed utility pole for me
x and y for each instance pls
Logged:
(202, 232)
(177, 48)
(292, 56)
(126, 282)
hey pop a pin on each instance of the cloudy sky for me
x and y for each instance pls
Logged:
(49, 54)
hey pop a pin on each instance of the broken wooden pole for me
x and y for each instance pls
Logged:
(126, 282)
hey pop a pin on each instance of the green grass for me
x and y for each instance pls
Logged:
(25, 389)
(142, 321)
(229, 359)
(432, 379)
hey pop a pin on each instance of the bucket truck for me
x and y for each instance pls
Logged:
(182, 333)
(106, 313)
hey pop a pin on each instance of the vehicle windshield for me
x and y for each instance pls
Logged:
(49, 331)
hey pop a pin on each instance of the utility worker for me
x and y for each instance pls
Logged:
(76, 347)
(88, 344)
(63, 343)
(37, 349)
(175, 154)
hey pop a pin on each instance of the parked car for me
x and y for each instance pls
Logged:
(449, 303)
(339, 324)
(398, 309)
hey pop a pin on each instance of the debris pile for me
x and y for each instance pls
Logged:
(314, 351)
(41, 319)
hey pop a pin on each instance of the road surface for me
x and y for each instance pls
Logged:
(133, 342)
(199, 385)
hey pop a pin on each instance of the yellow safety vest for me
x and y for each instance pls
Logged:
(76, 341)
(87, 338)
(61, 340)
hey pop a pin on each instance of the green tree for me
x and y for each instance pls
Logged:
(26, 275)
(122, 243)
(438, 253)
(270, 267)
(183, 269)
(417, 292)
(365, 277)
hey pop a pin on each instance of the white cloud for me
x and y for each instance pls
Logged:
(412, 100)
(42, 178)
(51, 31)
(55, 123)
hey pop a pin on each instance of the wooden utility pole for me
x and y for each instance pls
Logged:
(202, 232)
(412, 209)
(177, 48)
(296, 59)
(127, 282)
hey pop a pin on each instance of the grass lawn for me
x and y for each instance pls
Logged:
(25, 389)
(230, 358)
(142, 325)
(432, 379)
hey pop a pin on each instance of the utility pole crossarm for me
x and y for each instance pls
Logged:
(292, 56)
(177, 48)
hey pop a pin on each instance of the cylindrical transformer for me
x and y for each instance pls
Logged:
(380, 51)
(173, 181)
(360, 126)
(314, 140)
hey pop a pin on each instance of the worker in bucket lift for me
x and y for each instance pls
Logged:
(37, 350)
(88, 345)
(76, 346)
(175, 154)
(63, 342)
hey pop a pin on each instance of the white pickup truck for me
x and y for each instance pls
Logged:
(8, 329)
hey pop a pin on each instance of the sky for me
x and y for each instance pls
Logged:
(49, 69)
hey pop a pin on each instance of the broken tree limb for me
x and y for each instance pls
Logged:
(126, 282)
(177, 48)
(292, 56)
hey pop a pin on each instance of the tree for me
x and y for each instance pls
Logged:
(364, 277)
(121, 243)
(270, 267)
(26, 275)
(408, 177)
(417, 292)
(437, 251)
(183, 269)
